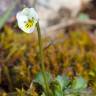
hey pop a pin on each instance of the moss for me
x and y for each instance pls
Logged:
(19, 52)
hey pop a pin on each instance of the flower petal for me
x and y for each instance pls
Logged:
(30, 12)
(27, 19)
(29, 30)
(25, 10)
(34, 14)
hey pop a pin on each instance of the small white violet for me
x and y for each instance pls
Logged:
(27, 19)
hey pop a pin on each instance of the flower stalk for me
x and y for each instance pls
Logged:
(28, 20)
(41, 56)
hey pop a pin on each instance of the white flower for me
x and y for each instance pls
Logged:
(27, 19)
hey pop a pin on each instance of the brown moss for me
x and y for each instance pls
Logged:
(75, 56)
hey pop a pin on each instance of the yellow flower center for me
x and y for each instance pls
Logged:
(30, 23)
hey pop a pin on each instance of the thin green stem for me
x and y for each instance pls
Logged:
(42, 60)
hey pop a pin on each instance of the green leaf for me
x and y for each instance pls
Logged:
(56, 88)
(79, 83)
(40, 80)
(63, 81)
(58, 85)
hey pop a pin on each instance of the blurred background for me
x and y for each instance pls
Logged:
(68, 48)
